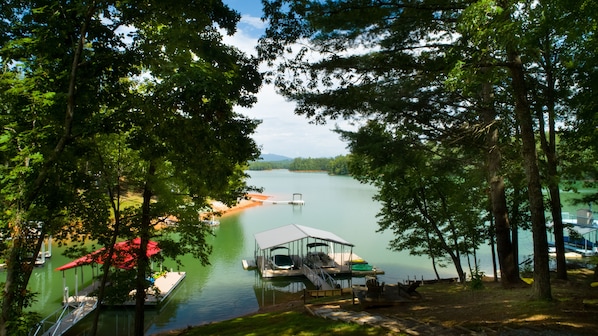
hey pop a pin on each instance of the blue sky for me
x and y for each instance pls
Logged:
(281, 132)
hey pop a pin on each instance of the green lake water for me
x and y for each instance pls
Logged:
(224, 290)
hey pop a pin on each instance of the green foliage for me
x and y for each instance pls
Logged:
(302, 164)
(477, 279)
(431, 200)
(334, 166)
(339, 165)
(477, 77)
(269, 165)
(527, 269)
(88, 115)
(23, 325)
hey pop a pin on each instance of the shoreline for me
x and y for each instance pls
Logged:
(250, 201)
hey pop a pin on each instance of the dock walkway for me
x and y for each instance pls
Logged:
(69, 320)
(297, 200)
(293, 202)
(342, 266)
(315, 278)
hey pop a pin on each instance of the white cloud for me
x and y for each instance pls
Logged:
(254, 22)
(285, 133)
(282, 132)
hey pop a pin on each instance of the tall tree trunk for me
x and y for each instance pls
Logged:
(13, 265)
(504, 246)
(115, 194)
(454, 254)
(548, 145)
(431, 254)
(541, 286)
(142, 259)
(440, 236)
(558, 230)
(107, 262)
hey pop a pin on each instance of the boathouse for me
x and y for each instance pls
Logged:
(84, 301)
(297, 250)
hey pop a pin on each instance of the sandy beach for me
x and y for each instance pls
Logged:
(251, 200)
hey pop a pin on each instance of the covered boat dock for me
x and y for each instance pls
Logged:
(297, 250)
(84, 301)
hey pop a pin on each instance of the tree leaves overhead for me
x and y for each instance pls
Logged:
(447, 78)
(103, 98)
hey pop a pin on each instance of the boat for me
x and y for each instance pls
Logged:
(281, 261)
(362, 267)
(319, 258)
(581, 233)
(210, 222)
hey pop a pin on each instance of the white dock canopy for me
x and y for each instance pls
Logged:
(293, 232)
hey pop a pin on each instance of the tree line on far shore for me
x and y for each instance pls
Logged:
(338, 165)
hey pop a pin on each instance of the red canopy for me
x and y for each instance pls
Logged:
(125, 254)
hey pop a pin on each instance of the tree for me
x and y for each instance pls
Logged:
(47, 105)
(429, 197)
(339, 165)
(78, 71)
(403, 84)
(396, 61)
(579, 140)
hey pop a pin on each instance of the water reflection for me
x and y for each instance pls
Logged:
(224, 290)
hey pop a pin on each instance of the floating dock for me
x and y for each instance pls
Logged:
(248, 264)
(165, 284)
(297, 200)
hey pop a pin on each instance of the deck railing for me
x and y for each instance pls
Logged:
(64, 318)
(319, 277)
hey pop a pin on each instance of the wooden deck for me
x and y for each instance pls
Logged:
(165, 285)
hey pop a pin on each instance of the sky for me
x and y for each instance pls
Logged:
(281, 131)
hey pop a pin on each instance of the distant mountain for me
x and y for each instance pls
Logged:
(274, 157)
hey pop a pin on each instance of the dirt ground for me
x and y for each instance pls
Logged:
(572, 311)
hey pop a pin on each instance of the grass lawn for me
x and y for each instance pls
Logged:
(281, 324)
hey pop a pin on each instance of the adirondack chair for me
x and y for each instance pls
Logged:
(375, 289)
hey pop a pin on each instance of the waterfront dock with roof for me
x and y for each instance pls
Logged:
(82, 302)
(297, 250)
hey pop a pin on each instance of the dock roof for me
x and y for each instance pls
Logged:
(293, 232)
(125, 255)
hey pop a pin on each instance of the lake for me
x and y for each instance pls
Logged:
(224, 290)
